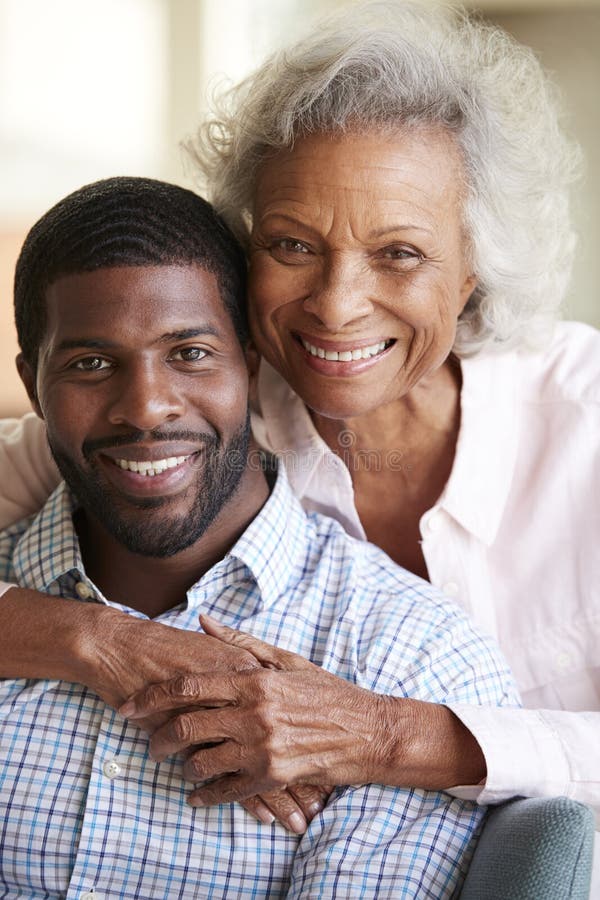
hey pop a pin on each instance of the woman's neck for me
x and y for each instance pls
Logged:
(400, 457)
(426, 417)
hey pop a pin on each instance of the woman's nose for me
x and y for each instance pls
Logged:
(341, 295)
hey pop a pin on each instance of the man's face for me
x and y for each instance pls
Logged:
(143, 386)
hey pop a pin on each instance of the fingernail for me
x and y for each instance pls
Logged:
(265, 816)
(315, 808)
(128, 709)
(297, 823)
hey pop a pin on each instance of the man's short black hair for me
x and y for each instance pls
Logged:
(124, 222)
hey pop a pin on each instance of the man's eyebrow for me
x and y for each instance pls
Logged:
(88, 343)
(184, 333)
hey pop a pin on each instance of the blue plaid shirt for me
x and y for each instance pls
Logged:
(85, 812)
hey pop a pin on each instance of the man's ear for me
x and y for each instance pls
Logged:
(28, 378)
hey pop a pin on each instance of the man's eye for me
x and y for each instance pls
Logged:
(92, 364)
(189, 354)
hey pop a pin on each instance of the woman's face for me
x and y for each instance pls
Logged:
(358, 265)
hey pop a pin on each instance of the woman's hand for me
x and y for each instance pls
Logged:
(123, 654)
(286, 723)
(115, 655)
(292, 723)
(138, 652)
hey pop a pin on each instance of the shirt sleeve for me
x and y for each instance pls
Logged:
(535, 753)
(376, 841)
(27, 472)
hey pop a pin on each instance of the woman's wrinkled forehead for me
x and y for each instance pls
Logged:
(414, 173)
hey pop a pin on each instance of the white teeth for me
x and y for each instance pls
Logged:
(345, 355)
(151, 467)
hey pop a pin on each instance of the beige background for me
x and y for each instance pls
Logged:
(92, 88)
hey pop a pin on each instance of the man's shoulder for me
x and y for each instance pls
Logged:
(36, 539)
(369, 574)
(406, 637)
(9, 539)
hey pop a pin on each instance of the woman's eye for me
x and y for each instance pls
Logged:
(189, 354)
(402, 254)
(290, 245)
(92, 364)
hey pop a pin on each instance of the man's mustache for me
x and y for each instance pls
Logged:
(95, 445)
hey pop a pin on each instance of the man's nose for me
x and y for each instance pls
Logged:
(342, 293)
(146, 396)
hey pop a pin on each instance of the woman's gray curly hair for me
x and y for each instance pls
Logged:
(394, 64)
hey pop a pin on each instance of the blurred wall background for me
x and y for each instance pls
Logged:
(92, 88)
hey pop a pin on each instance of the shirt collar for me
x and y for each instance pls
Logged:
(479, 484)
(270, 548)
(273, 546)
(318, 477)
(284, 427)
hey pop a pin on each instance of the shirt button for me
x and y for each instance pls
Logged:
(111, 768)
(83, 591)
(450, 589)
(435, 521)
(90, 895)
(563, 660)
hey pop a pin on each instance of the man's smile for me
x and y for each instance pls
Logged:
(144, 472)
(151, 467)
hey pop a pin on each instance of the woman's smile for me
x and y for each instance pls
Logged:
(357, 273)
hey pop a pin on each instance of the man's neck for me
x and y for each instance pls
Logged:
(153, 585)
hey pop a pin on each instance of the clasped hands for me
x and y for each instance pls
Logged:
(273, 736)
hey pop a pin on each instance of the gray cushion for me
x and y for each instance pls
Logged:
(533, 850)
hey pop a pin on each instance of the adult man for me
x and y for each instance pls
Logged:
(129, 302)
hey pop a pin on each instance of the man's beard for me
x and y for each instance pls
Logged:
(160, 536)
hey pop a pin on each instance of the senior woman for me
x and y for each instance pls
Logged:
(401, 187)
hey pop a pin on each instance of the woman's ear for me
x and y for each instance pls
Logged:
(253, 362)
(469, 285)
(252, 359)
(28, 378)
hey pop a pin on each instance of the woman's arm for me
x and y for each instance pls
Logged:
(535, 753)
(114, 655)
(293, 722)
(108, 651)
(27, 472)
